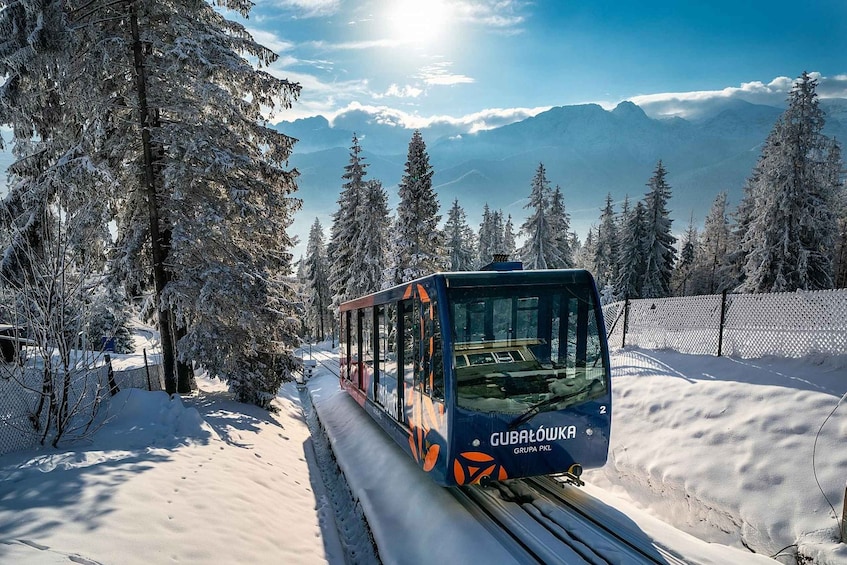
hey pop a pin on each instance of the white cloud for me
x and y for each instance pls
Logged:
(310, 8)
(395, 91)
(439, 74)
(354, 45)
(270, 40)
(500, 14)
(773, 93)
(470, 123)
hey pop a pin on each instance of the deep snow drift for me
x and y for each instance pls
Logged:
(729, 449)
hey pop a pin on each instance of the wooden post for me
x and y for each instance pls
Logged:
(147, 369)
(723, 321)
(110, 375)
(625, 321)
(844, 518)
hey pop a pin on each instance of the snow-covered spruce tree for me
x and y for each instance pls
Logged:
(584, 252)
(684, 270)
(560, 225)
(486, 242)
(459, 240)
(840, 263)
(539, 249)
(344, 233)
(372, 247)
(318, 299)
(418, 249)
(509, 244)
(632, 264)
(792, 193)
(605, 260)
(659, 244)
(223, 194)
(711, 271)
(110, 313)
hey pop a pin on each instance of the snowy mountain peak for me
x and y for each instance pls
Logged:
(628, 109)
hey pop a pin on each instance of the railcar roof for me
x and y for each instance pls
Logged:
(471, 279)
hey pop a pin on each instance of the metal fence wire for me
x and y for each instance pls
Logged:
(789, 324)
(20, 392)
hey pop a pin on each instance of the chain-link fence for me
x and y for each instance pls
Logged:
(790, 324)
(21, 391)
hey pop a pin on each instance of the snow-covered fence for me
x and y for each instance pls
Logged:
(20, 391)
(790, 324)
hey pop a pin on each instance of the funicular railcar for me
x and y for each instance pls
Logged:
(487, 375)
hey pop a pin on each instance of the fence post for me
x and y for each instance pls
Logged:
(110, 375)
(147, 369)
(844, 518)
(723, 321)
(625, 321)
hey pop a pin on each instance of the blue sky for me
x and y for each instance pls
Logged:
(487, 62)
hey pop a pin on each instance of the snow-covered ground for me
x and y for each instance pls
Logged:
(721, 448)
(750, 453)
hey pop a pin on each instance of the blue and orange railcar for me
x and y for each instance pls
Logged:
(485, 376)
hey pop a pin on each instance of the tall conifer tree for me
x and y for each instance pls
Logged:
(790, 201)
(346, 225)
(418, 249)
(539, 249)
(459, 240)
(659, 250)
(318, 300)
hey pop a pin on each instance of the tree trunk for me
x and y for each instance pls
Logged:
(158, 251)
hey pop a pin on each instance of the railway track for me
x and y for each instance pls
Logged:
(543, 521)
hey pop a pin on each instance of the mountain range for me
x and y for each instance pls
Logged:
(588, 151)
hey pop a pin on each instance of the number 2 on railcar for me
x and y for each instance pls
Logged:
(485, 376)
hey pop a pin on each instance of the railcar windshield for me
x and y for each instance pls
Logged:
(519, 348)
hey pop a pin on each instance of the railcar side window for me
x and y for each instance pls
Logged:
(518, 346)
(355, 352)
(436, 357)
(367, 376)
(409, 325)
(345, 345)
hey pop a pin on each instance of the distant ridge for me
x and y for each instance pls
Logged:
(587, 150)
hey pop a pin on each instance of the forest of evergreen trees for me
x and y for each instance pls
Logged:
(788, 233)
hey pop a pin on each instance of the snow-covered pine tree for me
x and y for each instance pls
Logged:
(225, 194)
(560, 225)
(487, 238)
(459, 240)
(632, 264)
(584, 256)
(792, 228)
(344, 234)
(711, 270)
(840, 263)
(683, 272)
(659, 245)
(509, 244)
(372, 247)
(540, 245)
(605, 259)
(418, 249)
(497, 241)
(318, 299)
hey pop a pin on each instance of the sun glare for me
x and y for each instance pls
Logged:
(417, 21)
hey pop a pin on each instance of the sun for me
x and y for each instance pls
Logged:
(417, 21)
